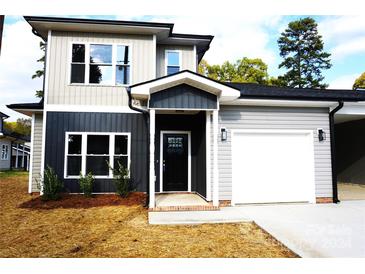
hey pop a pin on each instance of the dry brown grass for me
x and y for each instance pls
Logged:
(116, 231)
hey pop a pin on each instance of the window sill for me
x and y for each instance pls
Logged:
(95, 177)
(97, 85)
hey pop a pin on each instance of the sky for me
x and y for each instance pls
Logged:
(234, 37)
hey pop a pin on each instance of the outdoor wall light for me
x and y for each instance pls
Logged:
(223, 134)
(321, 134)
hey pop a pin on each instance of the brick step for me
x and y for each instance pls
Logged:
(184, 208)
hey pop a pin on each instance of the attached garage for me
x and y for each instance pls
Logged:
(271, 166)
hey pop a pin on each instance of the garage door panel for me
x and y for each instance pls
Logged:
(272, 167)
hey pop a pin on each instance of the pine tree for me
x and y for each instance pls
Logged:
(304, 58)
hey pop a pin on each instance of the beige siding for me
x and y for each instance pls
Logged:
(61, 92)
(187, 58)
(275, 118)
(36, 151)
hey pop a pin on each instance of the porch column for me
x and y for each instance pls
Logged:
(215, 159)
(17, 154)
(207, 157)
(23, 166)
(152, 159)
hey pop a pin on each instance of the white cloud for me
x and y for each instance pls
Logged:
(344, 82)
(20, 50)
(234, 37)
(345, 35)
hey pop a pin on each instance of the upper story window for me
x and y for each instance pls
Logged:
(103, 64)
(173, 62)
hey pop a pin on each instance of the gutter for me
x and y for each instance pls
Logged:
(333, 151)
(147, 116)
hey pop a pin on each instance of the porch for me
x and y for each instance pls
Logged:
(183, 139)
(188, 201)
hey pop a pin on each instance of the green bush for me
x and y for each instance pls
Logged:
(121, 179)
(51, 186)
(86, 184)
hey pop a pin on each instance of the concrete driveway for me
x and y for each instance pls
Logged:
(310, 230)
(313, 230)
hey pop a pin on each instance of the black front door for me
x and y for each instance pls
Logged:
(175, 162)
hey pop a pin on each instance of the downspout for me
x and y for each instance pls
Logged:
(147, 116)
(333, 151)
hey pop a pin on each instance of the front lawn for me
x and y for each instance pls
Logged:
(114, 230)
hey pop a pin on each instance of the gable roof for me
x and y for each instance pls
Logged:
(258, 91)
(3, 115)
(223, 91)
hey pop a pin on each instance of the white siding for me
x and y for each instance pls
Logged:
(36, 151)
(61, 92)
(187, 58)
(275, 118)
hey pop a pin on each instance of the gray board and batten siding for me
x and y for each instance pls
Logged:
(183, 97)
(60, 122)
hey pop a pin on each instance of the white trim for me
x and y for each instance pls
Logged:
(162, 132)
(280, 103)
(154, 57)
(166, 60)
(152, 173)
(87, 63)
(225, 93)
(195, 62)
(277, 131)
(84, 152)
(215, 160)
(45, 103)
(207, 157)
(30, 162)
(89, 108)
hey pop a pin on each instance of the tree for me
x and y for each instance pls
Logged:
(244, 70)
(359, 82)
(40, 73)
(21, 126)
(304, 58)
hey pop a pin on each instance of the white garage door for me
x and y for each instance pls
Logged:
(272, 166)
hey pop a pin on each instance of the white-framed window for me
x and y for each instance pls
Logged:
(92, 151)
(4, 152)
(172, 61)
(100, 64)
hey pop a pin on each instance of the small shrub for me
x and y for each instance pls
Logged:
(51, 186)
(121, 179)
(86, 184)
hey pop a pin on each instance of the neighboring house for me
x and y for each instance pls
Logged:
(129, 92)
(13, 151)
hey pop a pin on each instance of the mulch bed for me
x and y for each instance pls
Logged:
(80, 201)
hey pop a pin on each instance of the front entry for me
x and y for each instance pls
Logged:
(175, 161)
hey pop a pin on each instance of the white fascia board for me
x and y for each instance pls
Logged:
(224, 92)
(28, 112)
(352, 108)
(280, 103)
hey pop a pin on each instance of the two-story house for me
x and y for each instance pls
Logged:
(129, 92)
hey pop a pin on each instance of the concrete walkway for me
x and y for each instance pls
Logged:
(310, 230)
